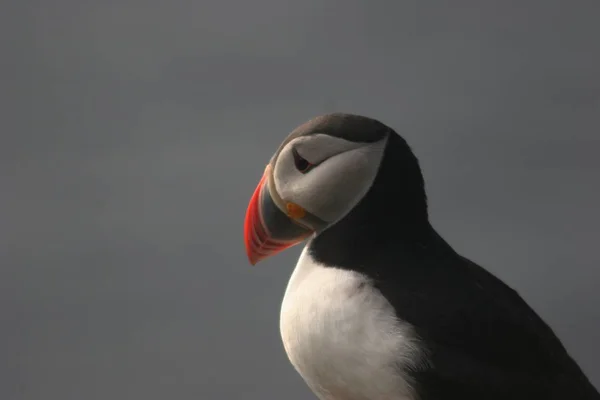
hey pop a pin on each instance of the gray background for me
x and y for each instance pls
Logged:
(133, 133)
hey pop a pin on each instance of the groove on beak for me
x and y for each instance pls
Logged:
(268, 229)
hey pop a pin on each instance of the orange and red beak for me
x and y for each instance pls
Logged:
(268, 229)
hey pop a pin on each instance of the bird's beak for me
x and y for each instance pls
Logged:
(272, 225)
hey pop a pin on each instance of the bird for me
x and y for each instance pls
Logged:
(379, 306)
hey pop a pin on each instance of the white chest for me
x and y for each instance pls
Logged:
(342, 335)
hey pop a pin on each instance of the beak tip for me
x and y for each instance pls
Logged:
(252, 259)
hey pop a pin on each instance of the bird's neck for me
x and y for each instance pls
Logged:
(392, 214)
(357, 238)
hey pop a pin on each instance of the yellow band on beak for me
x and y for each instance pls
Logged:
(294, 211)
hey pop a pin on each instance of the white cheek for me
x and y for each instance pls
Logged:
(333, 188)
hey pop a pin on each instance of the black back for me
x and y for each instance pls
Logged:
(483, 340)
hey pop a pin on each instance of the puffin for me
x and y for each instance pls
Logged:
(379, 306)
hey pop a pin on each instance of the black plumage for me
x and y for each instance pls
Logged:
(482, 340)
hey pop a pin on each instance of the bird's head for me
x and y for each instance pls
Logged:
(317, 176)
(322, 173)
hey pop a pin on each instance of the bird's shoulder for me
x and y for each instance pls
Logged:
(479, 333)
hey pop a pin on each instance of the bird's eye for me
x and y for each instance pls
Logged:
(302, 164)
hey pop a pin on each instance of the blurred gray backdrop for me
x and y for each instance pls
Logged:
(133, 133)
